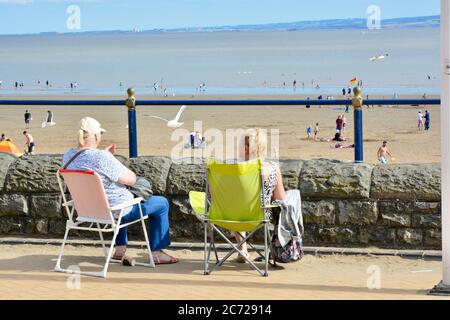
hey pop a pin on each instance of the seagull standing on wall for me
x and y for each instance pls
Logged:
(175, 122)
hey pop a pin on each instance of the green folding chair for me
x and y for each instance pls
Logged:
(232, 202)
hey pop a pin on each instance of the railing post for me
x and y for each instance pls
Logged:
(132, 126)
(443, 288)
(357, 103)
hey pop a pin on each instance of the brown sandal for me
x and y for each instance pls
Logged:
(157, 260)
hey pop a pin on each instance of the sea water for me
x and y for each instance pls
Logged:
(321, 62)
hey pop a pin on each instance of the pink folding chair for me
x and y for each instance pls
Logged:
(93, 213)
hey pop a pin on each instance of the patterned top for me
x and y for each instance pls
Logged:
(108, 168)
(269, 186)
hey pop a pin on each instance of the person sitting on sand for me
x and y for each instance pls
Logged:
(253, 146)
(115, 178)
(383, 153)
(4, 138)
(338, 137)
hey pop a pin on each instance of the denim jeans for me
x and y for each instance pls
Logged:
(157, 209)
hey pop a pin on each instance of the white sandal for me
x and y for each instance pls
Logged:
(241, 257)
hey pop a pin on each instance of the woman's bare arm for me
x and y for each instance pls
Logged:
(279, 193)
(127, 178)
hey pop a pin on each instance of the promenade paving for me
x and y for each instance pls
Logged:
(26, 272)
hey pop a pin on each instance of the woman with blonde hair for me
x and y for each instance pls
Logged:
(254, 146)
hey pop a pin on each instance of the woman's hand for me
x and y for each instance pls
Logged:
(111, 148)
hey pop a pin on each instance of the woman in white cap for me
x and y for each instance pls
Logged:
(115, 177)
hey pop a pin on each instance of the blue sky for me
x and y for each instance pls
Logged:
(34, 16)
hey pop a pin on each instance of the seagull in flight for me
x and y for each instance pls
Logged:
(380, 57)
(175, 122)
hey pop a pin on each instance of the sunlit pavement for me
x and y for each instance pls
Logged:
(26, 272)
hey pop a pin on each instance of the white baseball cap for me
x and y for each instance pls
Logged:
(91, 126)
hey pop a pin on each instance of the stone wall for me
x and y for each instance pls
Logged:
(344, 204)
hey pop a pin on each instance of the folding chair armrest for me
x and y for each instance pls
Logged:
(127, 204)
(197, 202)
(271, 206)
(68, 204)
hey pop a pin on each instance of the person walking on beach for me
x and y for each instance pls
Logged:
(49, 120)
(28, 119)
(420, 120)
(343, 91)
(49, 116)
(383, 153)
(344, 123)
(316, 131)
(339, 124)
(308, 106)
(427, 120)
(29, 143)
(115, 178)
(192, 139)
(308, 132)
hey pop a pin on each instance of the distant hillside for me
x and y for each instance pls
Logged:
(397, 23)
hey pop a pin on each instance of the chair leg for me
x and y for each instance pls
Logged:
(213, 243)
(103, 241)
(235, 248)
(266, 251)
(206, 254)
(271, 253)
(61, 251)
(110, 251)
(150, 255)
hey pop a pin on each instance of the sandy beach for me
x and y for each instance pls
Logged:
(398, 125)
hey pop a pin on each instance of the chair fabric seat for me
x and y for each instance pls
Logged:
(238, 226)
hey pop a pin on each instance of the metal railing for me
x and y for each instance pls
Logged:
(131, 103)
